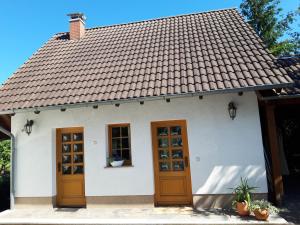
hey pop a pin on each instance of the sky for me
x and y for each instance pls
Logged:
(27, 24)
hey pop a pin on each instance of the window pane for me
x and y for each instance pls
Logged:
(66, 148)
(177, 154)
(164, 166)
(78, 158)
(125, 143)
(163, 142)
(125, 155)
(116, 154)
(176, 130)
(163, 154)
(162, 131)
(66, 137)
(178, 165)
(124, 131)
(77, 137)
(77, 147)
(116, 143)
(77, 169)
(176, 142)
(66, 169)
(66, 159)
(116, 132)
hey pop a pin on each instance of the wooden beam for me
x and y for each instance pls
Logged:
(274, 149)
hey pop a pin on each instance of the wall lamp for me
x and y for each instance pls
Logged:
(232, 110)
(36, 111)
(28, 127)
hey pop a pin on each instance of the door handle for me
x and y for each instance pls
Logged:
(59, 167)
(186, 161)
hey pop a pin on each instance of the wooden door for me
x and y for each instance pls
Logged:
(171, 163)
(70, 167)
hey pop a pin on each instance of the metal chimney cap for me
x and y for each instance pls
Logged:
(77, 16)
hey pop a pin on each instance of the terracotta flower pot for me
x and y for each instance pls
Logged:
(261, 214)
(242, 208)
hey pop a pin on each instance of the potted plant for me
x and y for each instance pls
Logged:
(242, 198)
(262, 209)
(116, 161)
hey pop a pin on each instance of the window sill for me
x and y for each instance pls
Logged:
(118, 167)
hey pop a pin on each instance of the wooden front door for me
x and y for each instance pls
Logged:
(171, 163)
(70, 167)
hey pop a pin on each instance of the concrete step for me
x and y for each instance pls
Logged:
(126, 217)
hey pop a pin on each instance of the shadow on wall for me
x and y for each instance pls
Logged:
(216, 190)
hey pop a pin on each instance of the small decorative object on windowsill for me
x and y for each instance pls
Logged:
(262, 209)
(242, 199)
(28, 127)
(116, 161)
(232, 110)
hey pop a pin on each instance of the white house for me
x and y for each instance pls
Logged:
(174, 98)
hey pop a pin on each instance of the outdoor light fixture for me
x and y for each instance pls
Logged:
(36, 111)
(232, 110)
(28, 127)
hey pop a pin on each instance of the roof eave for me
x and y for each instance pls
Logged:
(148, 98)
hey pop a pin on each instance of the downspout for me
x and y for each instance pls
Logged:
(12, 189)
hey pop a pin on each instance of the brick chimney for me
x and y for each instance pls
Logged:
(77, 28)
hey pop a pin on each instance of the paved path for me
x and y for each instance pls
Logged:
(185, 215)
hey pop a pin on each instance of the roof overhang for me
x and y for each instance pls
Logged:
(150, 98)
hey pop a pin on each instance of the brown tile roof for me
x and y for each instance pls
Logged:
(198, 53)
(292, 66)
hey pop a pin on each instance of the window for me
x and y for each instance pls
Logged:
(119, 142)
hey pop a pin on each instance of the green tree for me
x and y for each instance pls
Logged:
(266, 18)
(4, 157)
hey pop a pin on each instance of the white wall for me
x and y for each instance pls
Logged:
(221, 150)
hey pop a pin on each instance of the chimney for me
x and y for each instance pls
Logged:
(77, 28)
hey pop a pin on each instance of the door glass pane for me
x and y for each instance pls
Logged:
(178, 165)
(162, 131)
(77, 137)
(77, 147)
(177, 154)
(116, 143)
(176, 130)
(163, 154)
(66, 137)
(163, 142)
(176, 142)
(66, 148)
(66, 169)
(116, 132)
(164, 166)
(78, 158)
(77, 169)
(124, 131)
(66, 159)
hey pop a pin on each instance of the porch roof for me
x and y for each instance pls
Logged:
(201, 53)
(292, 66)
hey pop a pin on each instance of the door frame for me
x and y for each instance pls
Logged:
(183, 123)
(58, 131)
